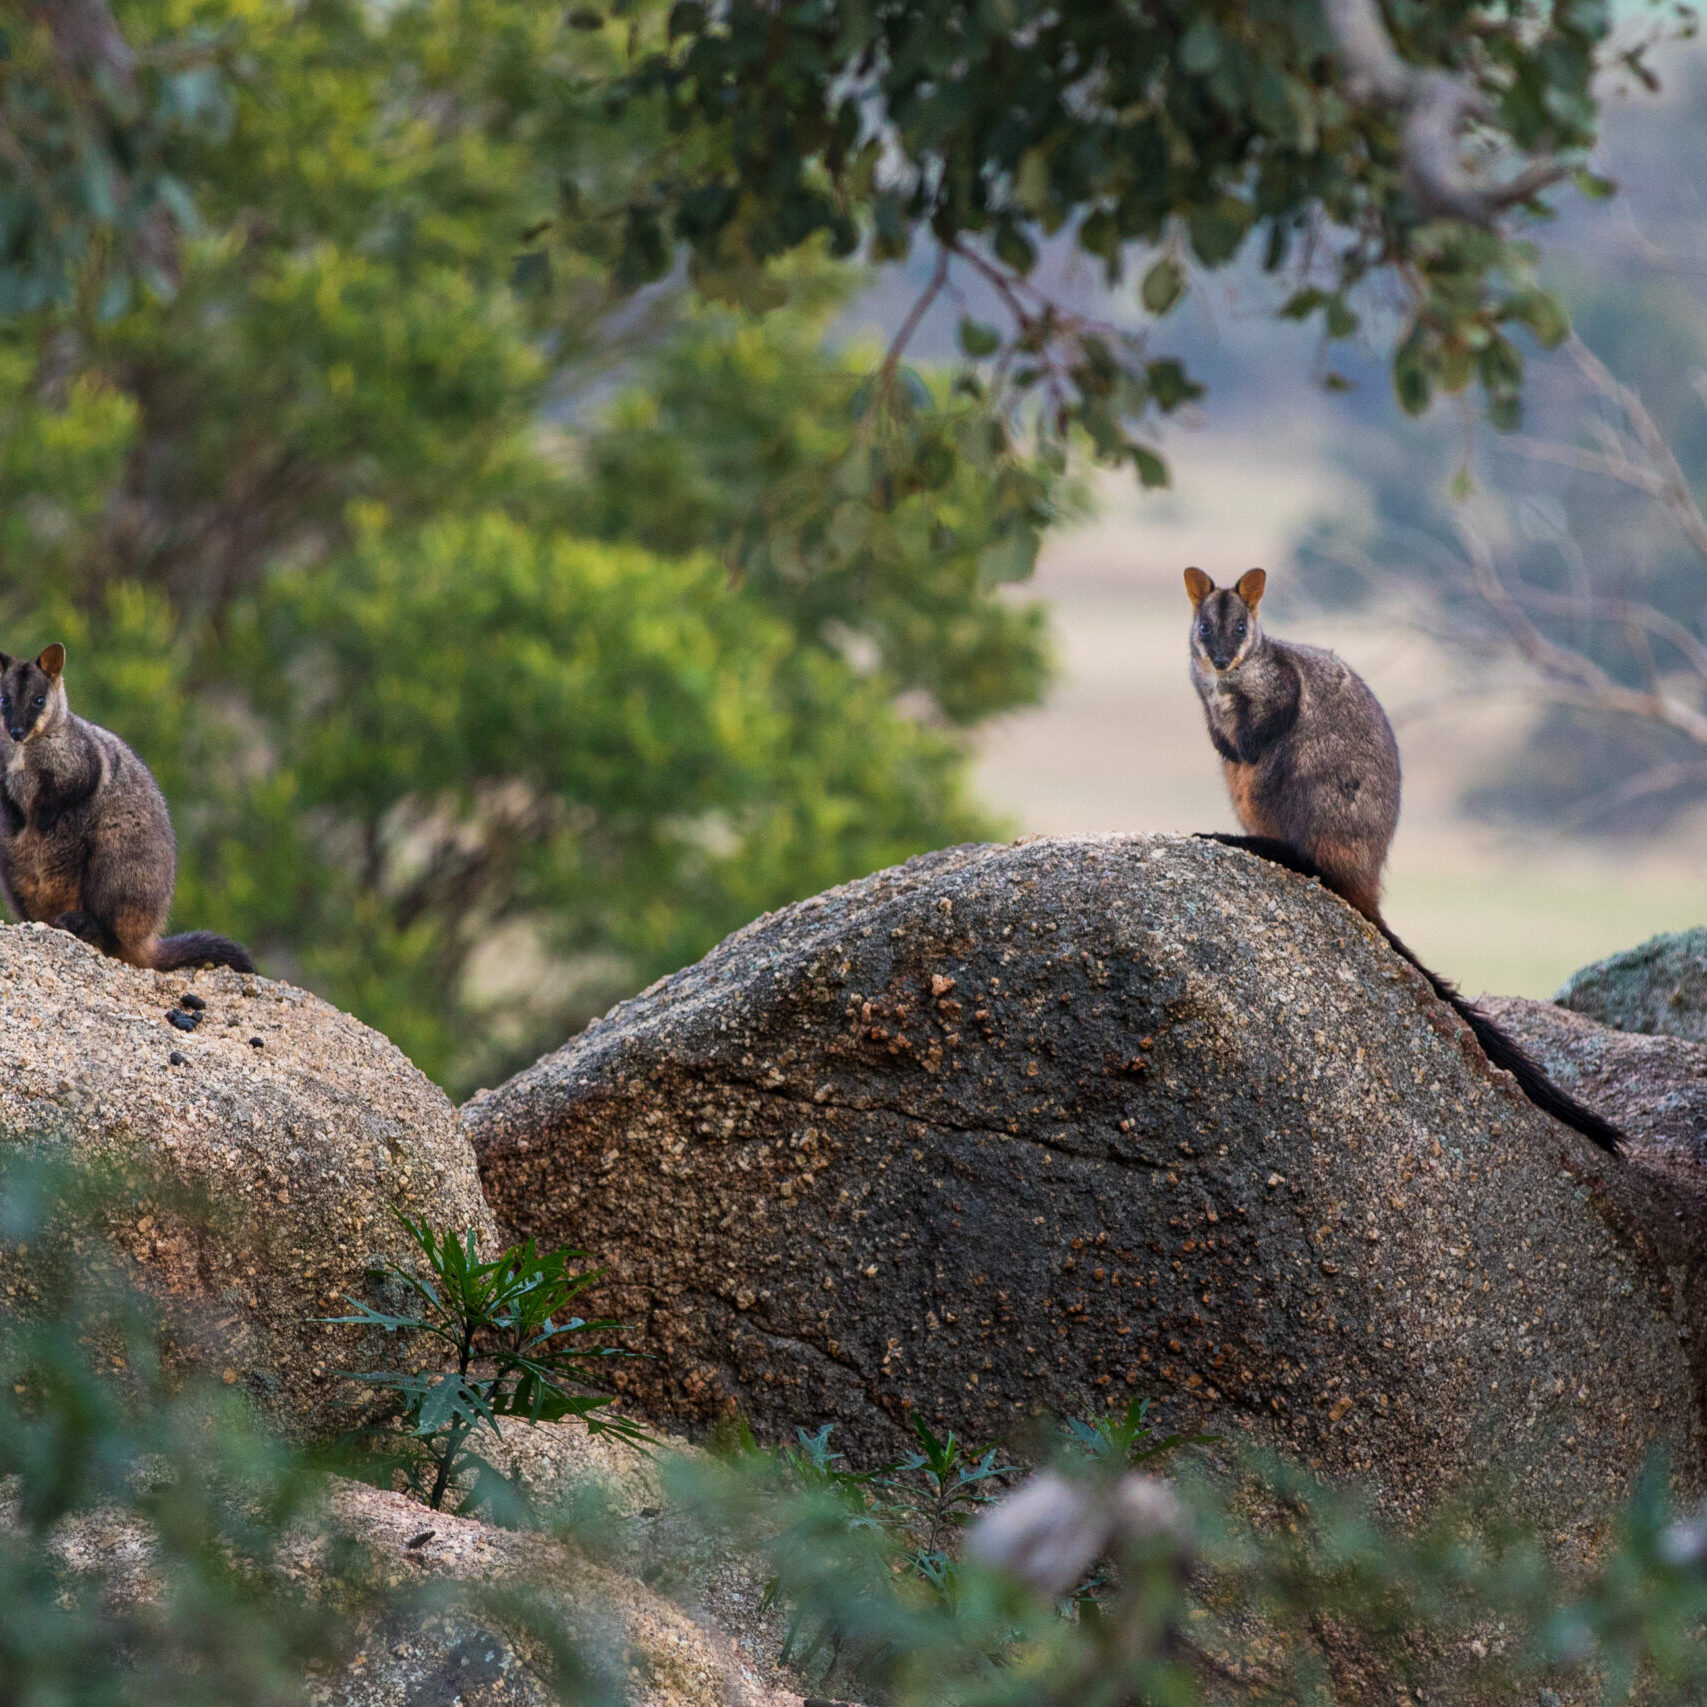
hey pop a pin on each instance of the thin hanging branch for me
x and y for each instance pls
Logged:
(1434, 107)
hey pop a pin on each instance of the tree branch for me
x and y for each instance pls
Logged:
(903, 337)
(1433, 107)
(1571, 677)
(1656, 780)
(1671, 488)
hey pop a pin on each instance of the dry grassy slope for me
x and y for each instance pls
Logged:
(1120, 744)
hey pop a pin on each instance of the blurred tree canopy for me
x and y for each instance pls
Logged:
(474, 711)
(1373, 155)
(505, 621)
(1350, 146)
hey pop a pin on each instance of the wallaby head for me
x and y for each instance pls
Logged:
(1224, 628)
(32, 693)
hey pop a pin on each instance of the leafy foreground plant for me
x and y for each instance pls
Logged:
(514, 1349)
(93, 1432)
(1094, 1585)
(848, 1538)
(157, 1544)
(151, 1536)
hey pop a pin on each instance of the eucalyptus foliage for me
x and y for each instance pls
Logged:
(467, 718)
(1159, 140)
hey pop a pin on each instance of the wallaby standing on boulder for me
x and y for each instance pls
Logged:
(88, 842)
(1313, 770)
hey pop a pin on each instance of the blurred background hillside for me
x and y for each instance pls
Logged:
(504, 634)
(1534, 839)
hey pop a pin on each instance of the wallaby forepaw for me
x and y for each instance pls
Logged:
(80, 924)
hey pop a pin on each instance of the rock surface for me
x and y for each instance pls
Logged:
(1655, 1088)
(1659, 987)
(433, 1646)
(617, 1498)
(300, 1127)
(659, 1653)
(1019, 1129)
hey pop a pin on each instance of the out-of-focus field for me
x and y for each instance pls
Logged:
(1120, 743)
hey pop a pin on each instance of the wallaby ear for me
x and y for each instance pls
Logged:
(6, 661)
(52, 659)
(1250, 587)
(1198, 586)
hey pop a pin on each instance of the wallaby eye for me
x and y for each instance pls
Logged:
(41, 700)
(1240, 631)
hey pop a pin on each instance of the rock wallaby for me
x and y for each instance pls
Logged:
(1313, 770)
(87, 843)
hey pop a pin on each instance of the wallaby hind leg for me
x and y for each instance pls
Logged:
(127, 890)
(1352, 869)
(136, 936)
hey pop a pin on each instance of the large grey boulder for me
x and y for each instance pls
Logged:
(1659, 987)
(1032, 1128)
(1654, 1087)
(456, 1612)
(262, 1153)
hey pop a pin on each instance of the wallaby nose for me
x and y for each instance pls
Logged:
(15, 732)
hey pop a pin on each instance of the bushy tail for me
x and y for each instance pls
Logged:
(1500, 1047)
(201, 948)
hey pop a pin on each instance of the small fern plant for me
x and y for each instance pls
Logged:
(514, 1349)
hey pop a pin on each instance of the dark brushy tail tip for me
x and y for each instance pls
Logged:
(1501, 1048)
(201, 948)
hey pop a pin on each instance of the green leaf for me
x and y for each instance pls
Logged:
(530, 273)
(1031, 182)
(1303, 303)
(1544, 315)
(1013, 248)
(977, 339)
(1412, 381)
(1339, 320)
(1152, 471)
(1100, 235)
(687, 18)
(1218, 229)
(1169, 383)
(1010, 558)
(1163, 286)
(445, 1401)
(1200, 48)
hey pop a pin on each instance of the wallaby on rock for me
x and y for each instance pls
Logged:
(87, 843)
(1313, 770)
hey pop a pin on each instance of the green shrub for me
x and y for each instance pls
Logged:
(514, 1350)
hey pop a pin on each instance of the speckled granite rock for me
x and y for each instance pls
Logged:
(1654, 1087)
(1010, 1129)
(302, 1145)
(1659, 987)
(619, 1497)
(439, 1649)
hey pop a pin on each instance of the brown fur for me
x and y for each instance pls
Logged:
(1309, 755)
(87, 842)
(1313, 770)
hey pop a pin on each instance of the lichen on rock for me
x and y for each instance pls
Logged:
(1660, 986)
